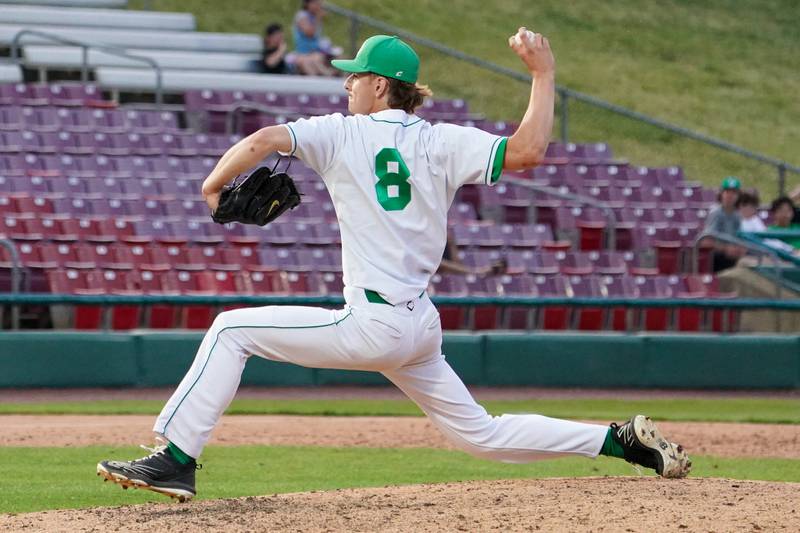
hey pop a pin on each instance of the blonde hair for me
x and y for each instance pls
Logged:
(407, 96)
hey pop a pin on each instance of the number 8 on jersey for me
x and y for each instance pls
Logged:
(392, 188)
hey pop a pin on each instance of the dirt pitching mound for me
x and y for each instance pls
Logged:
(596, 504)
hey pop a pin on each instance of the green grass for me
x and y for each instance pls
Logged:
(725, 67)
(761, 410)
(228, 472)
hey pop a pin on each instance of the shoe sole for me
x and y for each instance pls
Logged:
(125, 482)
(673, 460)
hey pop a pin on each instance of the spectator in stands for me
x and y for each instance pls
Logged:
(783, 211)
(748, 205)
(274, 58)
(724, 219)
(748, 211)
(313, 51)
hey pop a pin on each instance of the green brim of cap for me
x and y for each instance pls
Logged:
(348, 65)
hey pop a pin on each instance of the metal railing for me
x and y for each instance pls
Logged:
(16, 56)
(16, 277)
(565, 94)
(236, 109)
(500, 301)
(760, 248)
(611, 219)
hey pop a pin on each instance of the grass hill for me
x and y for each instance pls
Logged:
(727, 68)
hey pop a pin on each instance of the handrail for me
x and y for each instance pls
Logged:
(762, 249)
(16, 277)
(565, 93)
(756, 238)
(583, 200)
(501, 301)
(16, 56)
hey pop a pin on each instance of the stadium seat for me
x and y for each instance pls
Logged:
(621, 286)
(305, 283)
(552, 317)
(121, 317)
(518, 317)
(72, 281)
(588, 286)
(453, 285)
(576, 264)
(654, 318)
(272, 282)
(484, 317)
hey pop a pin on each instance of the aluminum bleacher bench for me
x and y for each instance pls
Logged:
(178, 81)
(71, 58)
(10, 73)
(69, 3)
(127, 38)
(102, 18)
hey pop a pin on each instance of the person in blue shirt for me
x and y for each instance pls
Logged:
(313, 52)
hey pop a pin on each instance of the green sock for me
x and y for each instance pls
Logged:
(178, 454)
(611, 447)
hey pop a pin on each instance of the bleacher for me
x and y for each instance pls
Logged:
(103, 198)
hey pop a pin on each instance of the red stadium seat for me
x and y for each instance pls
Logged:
(451, 316)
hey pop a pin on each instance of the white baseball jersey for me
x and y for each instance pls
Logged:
(392, 177)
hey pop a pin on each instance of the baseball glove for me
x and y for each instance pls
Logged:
(259, 199)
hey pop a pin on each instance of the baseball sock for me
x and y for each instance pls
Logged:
(179, 455)
(611, 447)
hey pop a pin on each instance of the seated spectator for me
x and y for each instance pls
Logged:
(748, 205)
(313, 52)
(724, 219)
(274, 60)
(783, 212)
(748, 211)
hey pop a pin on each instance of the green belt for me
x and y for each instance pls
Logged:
(375, 298)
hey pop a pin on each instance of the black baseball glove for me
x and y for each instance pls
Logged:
(259, 199)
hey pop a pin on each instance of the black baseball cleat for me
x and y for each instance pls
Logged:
(644, 445)
(159, 472)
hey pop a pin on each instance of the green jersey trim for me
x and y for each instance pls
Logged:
(396, 122)
(499, 158)
(294, 140)
(216, 339)
(491, 165)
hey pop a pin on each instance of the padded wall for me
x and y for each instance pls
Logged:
(62, 359)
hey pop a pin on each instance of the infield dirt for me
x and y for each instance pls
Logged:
(587, 504)
(582, 504)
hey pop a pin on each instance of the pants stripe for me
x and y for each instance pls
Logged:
(216, 339)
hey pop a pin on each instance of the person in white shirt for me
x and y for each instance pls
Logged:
(748, 212)
(392, 177)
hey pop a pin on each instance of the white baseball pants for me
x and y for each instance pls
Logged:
(403, 342)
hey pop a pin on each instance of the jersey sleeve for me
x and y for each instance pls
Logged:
(316, 141)
(470, 155)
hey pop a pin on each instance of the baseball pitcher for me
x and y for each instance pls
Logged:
(392, 177)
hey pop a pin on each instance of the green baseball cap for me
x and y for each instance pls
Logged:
(730, 182)
(386, 56)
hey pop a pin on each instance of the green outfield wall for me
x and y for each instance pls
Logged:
(147, 359)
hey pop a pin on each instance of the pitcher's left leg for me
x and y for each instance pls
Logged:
(441, 394)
